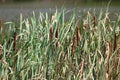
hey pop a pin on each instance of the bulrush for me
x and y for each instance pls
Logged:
(0, 25)
(73, 46)
(95, 23)
(115, 42)
(78, 35)
(51, 34)
(1, 51)
(56, 36)
(14, 41)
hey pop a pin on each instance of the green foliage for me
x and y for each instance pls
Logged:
(51, 47)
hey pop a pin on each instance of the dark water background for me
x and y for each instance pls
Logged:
(11, 10)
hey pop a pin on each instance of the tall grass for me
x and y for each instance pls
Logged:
(51, 47)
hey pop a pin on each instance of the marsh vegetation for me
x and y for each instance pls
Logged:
(51, 47)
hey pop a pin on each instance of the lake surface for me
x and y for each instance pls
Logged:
(11, 11)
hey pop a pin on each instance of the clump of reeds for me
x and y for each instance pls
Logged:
(52, 47)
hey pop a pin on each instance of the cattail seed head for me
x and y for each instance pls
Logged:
(56, 36)
(1, 49)
(14, 41)
(94, 21)
(73, 45)
(0, 25)
(78, 35)
(115, 42)
(51, 34)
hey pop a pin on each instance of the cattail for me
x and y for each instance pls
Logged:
(1, 51)
(56, 36)
(73, 46)
(115, 42)
(51, 34)
(14, 41)
(72, 49)
(77, 35)
(0, 25)
(94, 21)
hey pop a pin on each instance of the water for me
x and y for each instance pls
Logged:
(11, 11)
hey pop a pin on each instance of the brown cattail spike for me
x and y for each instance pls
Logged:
(94, 21)
(78, 35)
(56, 36)
(14, 42)
(51, 34)
(73, 46)
(115, 42)
(0, 25)
(1, 50)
